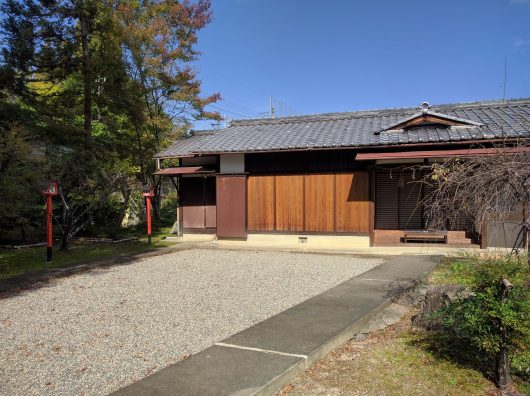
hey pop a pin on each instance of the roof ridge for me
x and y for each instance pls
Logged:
(367, 113)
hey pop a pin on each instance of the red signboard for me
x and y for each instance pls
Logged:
(52, 188)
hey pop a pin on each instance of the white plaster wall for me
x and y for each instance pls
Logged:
(232, 163)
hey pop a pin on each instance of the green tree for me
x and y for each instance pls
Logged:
(20, 171)
(110, 83)
(158, 41)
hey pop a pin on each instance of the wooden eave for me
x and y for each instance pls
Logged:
(440, 153)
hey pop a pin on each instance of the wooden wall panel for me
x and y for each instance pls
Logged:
(261, 203)
(210, 202)
(299, 162)
(231, 206)
(319, 202)
(289, 203)
(193, 202)
(198, 202)
(352, 202)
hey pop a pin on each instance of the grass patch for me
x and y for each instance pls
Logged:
(389, 362)
(454, 271)
(17, 262)
(397, 361)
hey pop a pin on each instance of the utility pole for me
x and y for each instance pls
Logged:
(271, 107)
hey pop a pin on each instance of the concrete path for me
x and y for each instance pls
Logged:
(266, 356)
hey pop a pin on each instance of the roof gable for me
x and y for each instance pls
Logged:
(426, 117)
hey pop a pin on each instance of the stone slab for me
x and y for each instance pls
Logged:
(217, 371)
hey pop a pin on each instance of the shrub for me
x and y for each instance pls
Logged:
(478, 320)
(168, 209)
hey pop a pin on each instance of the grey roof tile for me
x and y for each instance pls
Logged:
(355, 129)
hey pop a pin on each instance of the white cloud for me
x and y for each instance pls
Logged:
(519, 42)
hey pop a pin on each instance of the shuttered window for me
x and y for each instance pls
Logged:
(386, 201)
(398, 200)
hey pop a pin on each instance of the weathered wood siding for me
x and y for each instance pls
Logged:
(289, 202)
(328, 203)
(261, 196)
(319, 203)
(352, 206)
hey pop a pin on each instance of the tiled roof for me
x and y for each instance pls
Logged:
(496, 119)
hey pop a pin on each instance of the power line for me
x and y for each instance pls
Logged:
(229, 111)
(240, 107)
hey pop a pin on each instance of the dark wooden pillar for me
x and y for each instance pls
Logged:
(177, 182)
(372, 206)
(484, 233)
(231, 197)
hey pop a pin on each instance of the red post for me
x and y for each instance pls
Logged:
(49, 244)
(148, 209)
(148, 194)
(49, 192)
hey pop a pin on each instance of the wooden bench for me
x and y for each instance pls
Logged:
(425, 235)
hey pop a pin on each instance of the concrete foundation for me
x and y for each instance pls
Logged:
(332, 242)
(192, 238)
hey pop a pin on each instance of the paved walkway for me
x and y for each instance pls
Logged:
(264, 357)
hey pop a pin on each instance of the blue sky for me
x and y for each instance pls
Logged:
(327, 56)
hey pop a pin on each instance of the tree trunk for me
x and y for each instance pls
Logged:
(23, 235)
(526, 231)
(504, 380)
(65, 241)
(87, 82)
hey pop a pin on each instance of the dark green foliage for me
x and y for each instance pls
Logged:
(472, 325)
(168, 214)
(89, 92)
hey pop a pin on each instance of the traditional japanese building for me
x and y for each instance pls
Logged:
(343, 178)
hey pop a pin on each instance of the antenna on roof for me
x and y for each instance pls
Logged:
(504, 87)
(271, 106)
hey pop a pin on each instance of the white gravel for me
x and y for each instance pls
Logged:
(97, 332)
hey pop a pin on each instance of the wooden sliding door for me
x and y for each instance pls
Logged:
(398, 200)
(231, 206)
(325, 203)
(198, 202)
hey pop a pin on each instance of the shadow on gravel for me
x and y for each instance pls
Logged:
(35, 280)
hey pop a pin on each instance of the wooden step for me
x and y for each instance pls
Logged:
(389, 237)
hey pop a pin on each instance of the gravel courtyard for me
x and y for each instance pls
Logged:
(96, 332)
